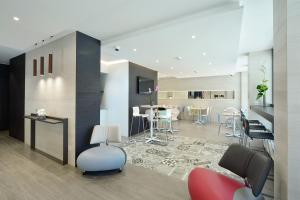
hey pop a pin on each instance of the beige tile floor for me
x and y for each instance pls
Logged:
(210, 133)
(25, 174)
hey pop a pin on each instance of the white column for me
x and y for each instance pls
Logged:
(286, 98)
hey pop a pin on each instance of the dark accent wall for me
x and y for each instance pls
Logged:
(136, 99)
(87, 88)
(17, 97)
(4, 85)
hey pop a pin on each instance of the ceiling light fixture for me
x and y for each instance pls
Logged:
(210, 63)
(204, 53)
(113, 62)
(179, 58)
(171, 68)
(16, 18)
(134, 49)
(157, 61)
(193, 36)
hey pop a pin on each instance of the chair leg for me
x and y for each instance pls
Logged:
(166, 131)
(131, 127)
(139, 124)
(143, 125)
(246, 141)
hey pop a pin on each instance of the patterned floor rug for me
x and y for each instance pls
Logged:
(178, 156)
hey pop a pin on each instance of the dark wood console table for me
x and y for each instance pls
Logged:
(50, 120)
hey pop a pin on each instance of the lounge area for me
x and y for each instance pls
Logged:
(164, 100)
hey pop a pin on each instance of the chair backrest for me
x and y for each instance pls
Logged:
(103, 133)
(99, 134)
(253, 166)
(166, 114)
(205, 111)
(135, 111)
(169, 113)
(113, 134)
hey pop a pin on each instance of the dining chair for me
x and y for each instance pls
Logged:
(165, 119)
(137, 115)
(220, 122)
(253, 133)
(204, 115)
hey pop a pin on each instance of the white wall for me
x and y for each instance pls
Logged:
(116, 95)
(244, 91)
(255, 76)
(203, 83)
(56, 93)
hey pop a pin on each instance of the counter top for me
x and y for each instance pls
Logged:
(266, 112)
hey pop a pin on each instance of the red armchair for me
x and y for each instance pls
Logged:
(253, 167)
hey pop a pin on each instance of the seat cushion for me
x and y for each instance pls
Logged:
(205, 184)
(101, 158)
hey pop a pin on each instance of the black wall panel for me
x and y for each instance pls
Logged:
(4, 85)
(87, 88)
(17, 97)
(136, 99)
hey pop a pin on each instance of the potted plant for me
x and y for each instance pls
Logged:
(263, 87)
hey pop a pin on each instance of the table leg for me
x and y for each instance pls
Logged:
(151, 138)
(32, 134)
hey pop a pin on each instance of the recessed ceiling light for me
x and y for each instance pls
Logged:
(210, 63)
(179, 58)
(171, 68)
(16, 18)
(204, 53)
(193, 36)
(157, 61)
(134, 49)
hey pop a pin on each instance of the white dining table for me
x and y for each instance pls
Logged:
(152, 138)
(234, 115)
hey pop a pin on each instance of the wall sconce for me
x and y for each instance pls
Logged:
(42, 66)
(50, 61)
(34, 67)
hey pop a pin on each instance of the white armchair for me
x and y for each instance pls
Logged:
(102, 157)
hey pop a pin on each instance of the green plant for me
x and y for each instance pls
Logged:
(262, 88)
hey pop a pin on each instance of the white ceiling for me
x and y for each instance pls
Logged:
(157, 29)
(257, 26)
(99, 18)
(217, 34)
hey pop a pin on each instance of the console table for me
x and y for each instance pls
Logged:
(50, 120)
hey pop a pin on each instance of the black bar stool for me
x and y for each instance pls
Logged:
(255, 133)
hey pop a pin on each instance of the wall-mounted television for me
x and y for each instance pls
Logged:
(143, 85)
